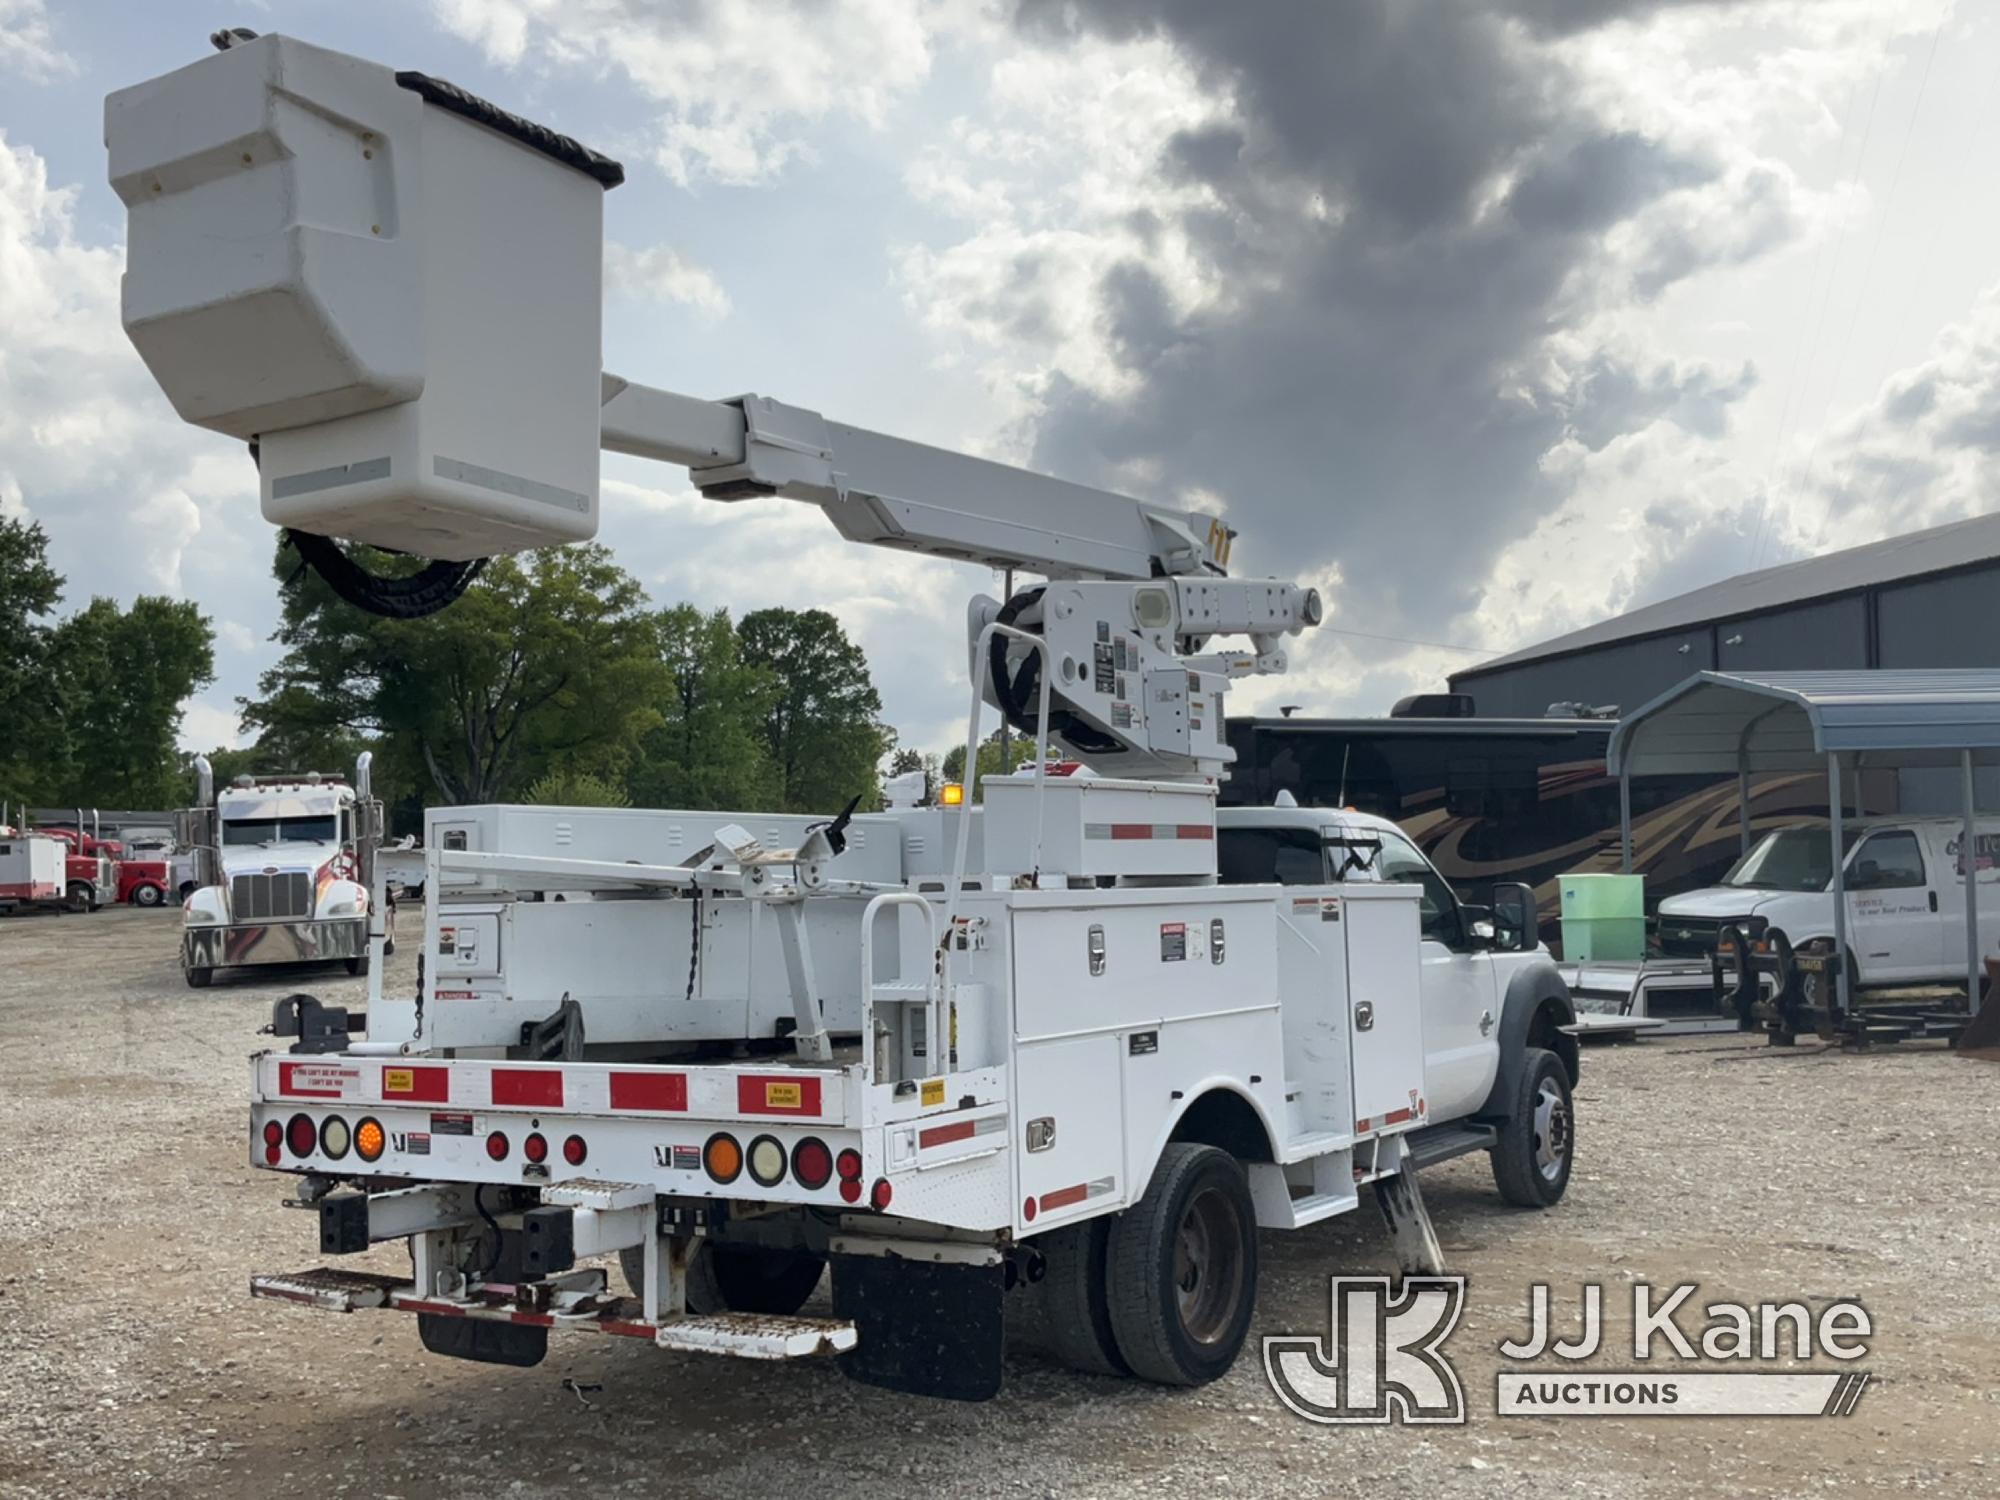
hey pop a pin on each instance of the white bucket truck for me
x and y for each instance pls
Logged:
(283, 867)
(941, 1053)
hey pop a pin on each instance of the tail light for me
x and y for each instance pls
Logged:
(574, 1151)
(496, 1145)
(369, 1140)
(334, 1137)
(1028, 1209)
(301, 1135)
(274, 1139)
(850, 1166)
(880, 1194)
(766, 1157)
(723, 1157)
(535, 1148)
(812, 1163)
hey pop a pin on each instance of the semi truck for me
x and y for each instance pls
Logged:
(1081, 1042)
(90, 867)
(283, 870)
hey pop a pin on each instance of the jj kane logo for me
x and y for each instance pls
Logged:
(1382, 1358)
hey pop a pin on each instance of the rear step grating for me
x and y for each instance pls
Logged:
(744, 1335)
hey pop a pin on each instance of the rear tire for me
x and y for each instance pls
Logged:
(358, 965)
(1537, 1142)
(199, 979)
(1076, 1312)
(1182, 1268)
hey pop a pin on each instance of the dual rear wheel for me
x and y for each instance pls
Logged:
(1165, 1290)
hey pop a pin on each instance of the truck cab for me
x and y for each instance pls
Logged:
(1488, 986)
(1905, 897)
(285, 876)
(90, 875)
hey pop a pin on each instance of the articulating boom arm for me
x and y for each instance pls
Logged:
(395, 291)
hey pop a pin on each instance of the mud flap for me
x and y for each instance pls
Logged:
(482, 1340)
(925, 1329)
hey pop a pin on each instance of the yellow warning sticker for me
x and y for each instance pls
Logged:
(783, 1096)
(398, 1081)
(933, 1092)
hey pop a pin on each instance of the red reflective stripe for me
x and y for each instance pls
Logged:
(1131, 830)
(1360, 1127)
(654, 1091)
(424, 1085)
(942, 1135)
(536, 1088)
(1064, 1197)
(629, 1330)
(777, 1094)
(1194, 831)
(1398, 1116)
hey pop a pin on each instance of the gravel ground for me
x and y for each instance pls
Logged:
(133, 1363)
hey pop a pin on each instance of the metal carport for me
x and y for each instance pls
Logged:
(1846, 722)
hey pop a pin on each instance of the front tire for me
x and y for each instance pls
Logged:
(200, 979)
(81, 897)
(1181, 1268)
(1531, 1162)
(148, 895)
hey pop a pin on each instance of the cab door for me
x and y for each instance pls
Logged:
(1459, 999)
(1895, 922)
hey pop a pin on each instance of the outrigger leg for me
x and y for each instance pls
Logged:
(1402, 1204)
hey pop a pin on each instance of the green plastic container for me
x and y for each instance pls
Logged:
(1603, 917)
(1597, 939)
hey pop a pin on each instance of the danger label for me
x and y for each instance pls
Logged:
(1173, 942)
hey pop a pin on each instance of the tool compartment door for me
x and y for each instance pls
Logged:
(1070, 1141)
(1385, 1004)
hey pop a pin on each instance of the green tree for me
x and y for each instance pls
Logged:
(577, 789)
(709, 750)
(546, 663)
(821, 725)
(29, 590)
(121, 678)
(1020, 752)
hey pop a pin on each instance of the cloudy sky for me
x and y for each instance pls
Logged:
(1489, 319)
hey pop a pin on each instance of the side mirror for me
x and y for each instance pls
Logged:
(1518, 916)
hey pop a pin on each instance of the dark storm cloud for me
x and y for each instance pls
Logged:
(1406, 204)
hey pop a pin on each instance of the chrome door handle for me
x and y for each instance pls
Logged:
(1364, 1016)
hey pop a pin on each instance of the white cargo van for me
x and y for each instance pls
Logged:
(1905, 897)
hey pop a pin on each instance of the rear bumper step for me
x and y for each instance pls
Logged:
(744, 1335)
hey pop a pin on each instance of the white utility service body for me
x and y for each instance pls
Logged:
(281, 873)
(33, 871)
(941, 1052)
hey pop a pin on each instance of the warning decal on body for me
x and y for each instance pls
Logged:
(1173, 942)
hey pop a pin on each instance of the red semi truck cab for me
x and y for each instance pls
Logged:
(90, 870)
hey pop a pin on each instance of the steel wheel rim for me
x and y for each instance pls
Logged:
(1208, 1266)
(1552, 1134)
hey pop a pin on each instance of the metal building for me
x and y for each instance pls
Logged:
(1929, 599)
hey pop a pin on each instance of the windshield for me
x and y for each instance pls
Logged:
(245, 833)
(1791, 859)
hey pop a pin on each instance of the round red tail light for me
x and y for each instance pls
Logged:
(850, 1190)
(535, 1148)
(301, 1135)
(496, 1145)
(274, 1133)
(849, 1166)
(812, 1163)
(879, 1195)
(574, 1151)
